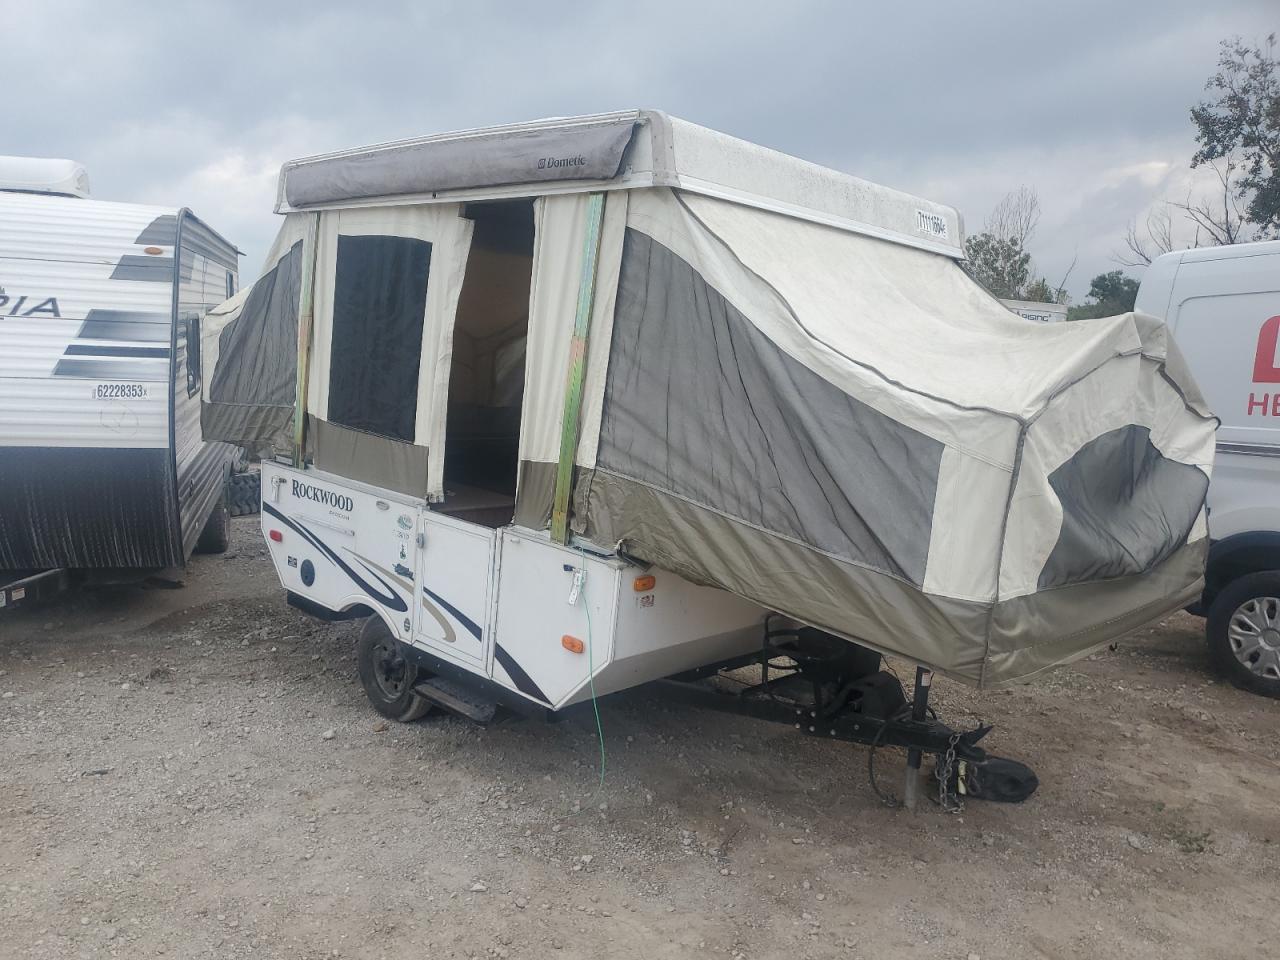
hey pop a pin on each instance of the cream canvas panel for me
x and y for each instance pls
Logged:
(1120, 393)
(560, 233)
(914, 316)
(968, 520)
(450, 237)
(976, 432)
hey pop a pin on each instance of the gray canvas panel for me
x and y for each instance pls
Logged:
(258, 350)
(368, 458)
(700, 403)
(582, 152)
(1035, 633)
(853, 601)
(133, 266)
(262, 430)
(536, 492)
(1125, 508)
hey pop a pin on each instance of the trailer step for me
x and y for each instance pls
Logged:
(456, 698)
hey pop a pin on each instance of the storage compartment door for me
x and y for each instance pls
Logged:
(536, 583)
(453, 599)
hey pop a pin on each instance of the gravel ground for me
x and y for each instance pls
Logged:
(194, 772)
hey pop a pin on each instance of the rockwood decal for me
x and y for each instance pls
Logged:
(309, 491)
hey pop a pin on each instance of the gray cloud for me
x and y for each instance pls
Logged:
(199, 104)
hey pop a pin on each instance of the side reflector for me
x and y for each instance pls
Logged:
(644, 584)
(276, 535)
(152, 251)
(572, 644)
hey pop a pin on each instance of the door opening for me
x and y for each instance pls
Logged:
(486, 381)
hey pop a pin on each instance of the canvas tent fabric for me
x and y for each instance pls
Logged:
(853, 432)
(793, 392)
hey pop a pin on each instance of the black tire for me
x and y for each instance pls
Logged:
(244, 493)
(1247, 607)
(387, 675)
(216, 535)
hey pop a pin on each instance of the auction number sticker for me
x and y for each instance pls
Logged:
(931, 224)
(120, 391)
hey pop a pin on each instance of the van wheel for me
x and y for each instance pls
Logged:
(216, 535)
(1244, 633)
(387, 675)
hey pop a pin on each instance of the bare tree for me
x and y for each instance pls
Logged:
(1221, 218)
(1142, 249)
(1015, 217)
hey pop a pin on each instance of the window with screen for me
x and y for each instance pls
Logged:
(379, 300)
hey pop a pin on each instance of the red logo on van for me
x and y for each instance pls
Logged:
(1265, 369)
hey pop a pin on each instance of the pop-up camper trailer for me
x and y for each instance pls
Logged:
(102, 464)
(623, 384)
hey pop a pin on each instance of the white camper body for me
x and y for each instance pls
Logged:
(517, 372)
(496, 603)
(1223, 306)
(102, 462)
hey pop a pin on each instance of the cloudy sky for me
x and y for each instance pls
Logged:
(199, 104)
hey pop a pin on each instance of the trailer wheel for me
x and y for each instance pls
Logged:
(1243, 631)
(216, 535)
(244, 493)
(386, 675)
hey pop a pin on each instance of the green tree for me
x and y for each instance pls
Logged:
(1111, 293)
(1000, 265)
(1240, 129)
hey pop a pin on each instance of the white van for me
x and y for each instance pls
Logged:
(1223, 305)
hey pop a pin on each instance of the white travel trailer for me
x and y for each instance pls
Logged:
(572, 405)
(1223, 306)
(102, 464)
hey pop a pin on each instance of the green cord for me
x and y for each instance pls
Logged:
(591, 670)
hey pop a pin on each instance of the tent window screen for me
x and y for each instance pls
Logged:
(379, 301)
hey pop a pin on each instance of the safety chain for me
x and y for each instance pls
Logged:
(944, 779)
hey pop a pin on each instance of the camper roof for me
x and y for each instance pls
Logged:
(40, 175)
(610, 151)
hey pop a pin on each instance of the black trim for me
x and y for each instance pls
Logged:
(124, 325)
(524, 683)
(88, 350)
(313, 609)
(103, 369)
(392, 600)
(174, 295)
(160, 232)
(472, 627)
(484, 686)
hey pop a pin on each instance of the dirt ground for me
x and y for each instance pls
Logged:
(195, 772)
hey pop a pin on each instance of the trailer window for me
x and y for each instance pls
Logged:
(379, 302)
(193, 355)
(231, 284)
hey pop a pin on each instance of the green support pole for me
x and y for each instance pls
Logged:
(577, 369)
(306, 311)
